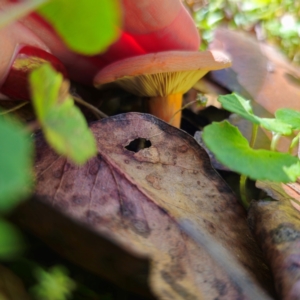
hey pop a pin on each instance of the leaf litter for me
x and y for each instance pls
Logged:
(276, 226)
(135, 199)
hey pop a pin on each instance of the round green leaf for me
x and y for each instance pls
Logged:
(15, 163)
(238, 105)
(64, 126)
(233, 150)
(86, 26)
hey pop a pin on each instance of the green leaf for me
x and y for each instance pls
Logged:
(11, 242)
(233, 150)
(238, 105)
(63, 124)
(86, 26)
(275, 125)
(289, 116)
(15, 163)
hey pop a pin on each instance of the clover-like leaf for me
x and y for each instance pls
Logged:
(275, 125)
(63, 124)
(86, 26)
(233, 150)
(238, 105)
(289, 116)
(16, 159)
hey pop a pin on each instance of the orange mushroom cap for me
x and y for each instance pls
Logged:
(163, 73)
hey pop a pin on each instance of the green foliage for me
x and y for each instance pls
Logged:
(53, 285)
(238, 155)
(87, 26)
(290, 116)
(278, 21)
(233, 150)
(237, 104)
(63, 124)
(11, 242)
(15, 163)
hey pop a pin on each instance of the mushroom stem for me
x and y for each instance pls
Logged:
(164, 107)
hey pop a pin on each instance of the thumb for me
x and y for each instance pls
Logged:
(21, 51)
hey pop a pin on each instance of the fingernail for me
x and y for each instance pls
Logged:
(28, 58)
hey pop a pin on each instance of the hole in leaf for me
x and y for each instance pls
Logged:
(138, 144)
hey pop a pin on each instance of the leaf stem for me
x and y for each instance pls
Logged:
(243, 179)
(294, 142)
(253, 135)
(274, 142)
(243, 191)
(13, 108)
(98, 113)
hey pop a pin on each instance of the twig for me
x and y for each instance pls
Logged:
(182, 108)
(13, 108)
(98, 113)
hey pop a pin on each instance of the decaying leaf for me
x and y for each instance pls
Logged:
(276, 226)
(259, 72)
(133, 196)
(99, 254)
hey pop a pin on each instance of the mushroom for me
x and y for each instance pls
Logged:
(163, 77)
(148, 26)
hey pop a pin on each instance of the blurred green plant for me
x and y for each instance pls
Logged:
(54, 284)
(88, 27)
(63, 124)
(277, 21)
(11, 241)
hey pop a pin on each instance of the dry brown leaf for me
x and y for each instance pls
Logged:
(86, 248)
(276, 225)
(258, 72)
(135, 198)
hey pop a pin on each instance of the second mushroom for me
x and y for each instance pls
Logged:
(163, 77)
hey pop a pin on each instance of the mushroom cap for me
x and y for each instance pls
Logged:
(163, 73)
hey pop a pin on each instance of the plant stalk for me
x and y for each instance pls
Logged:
(243, 179)
(243, 191)
(98, 113)
(274, 141)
